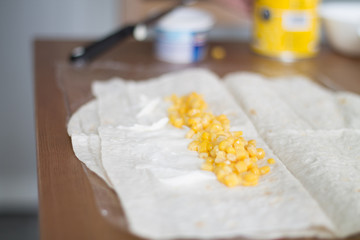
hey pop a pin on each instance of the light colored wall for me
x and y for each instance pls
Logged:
(20, 22)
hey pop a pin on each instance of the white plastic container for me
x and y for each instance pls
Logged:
(181, 36)
(342, 26)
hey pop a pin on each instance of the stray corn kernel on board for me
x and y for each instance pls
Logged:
(138, 143)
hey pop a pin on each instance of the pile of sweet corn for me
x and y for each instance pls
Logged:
(233, 159)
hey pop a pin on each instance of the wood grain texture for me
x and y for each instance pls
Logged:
(67, 206)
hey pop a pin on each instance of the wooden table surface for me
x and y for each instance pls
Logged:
(67, 207)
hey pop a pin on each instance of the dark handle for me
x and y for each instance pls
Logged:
(85, 54)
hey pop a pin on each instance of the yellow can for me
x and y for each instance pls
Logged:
(286, 29)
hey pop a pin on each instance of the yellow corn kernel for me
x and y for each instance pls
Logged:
(253, 159)
(213, 153)
(252, 165)
(231, 157)
(220, 165)
(250, 177)
(173, 115)
(172, 110)
(239, 145)
(196, 127)
(253, 183)
(174, 98)
(190, 134)
(260, 153)
(198, 115)
(215, 128)
(271, 161)
(192, 112)
(220, 174)
(251, 149)
(203, 155)
(248, 163)
(226, 127)
(221, 117)
(215, 121)
(221, 154)
(197, 135)
(208, 115)
(264, 170)
(204, 147)
(206, 120)
(207, 166)
(194, 145)
(227, 133)
(241, 154)
(177, 122)
(241, 167)
(227, 169)
(219, 160)
(222, 170)
(243, 140)
(223, 145)
(237, 133)
(183, 110)
(205, 136)
(230, 140)
(220, 138)
(209, 160)
(231, 150)
(218, 52)
(231, 180)
(213, 137)
(222, 134)
(220, 157)
(210, 147)
(255, 170)
(200, 104)
(252, 142)
(191, 121)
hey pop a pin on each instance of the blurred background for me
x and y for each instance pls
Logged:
(22, 21)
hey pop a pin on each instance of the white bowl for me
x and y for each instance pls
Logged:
(342, 26)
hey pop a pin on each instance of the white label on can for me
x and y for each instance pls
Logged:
(296, 21)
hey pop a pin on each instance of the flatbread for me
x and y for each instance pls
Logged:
(164, 193)
(83, 129)
(320, 146)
